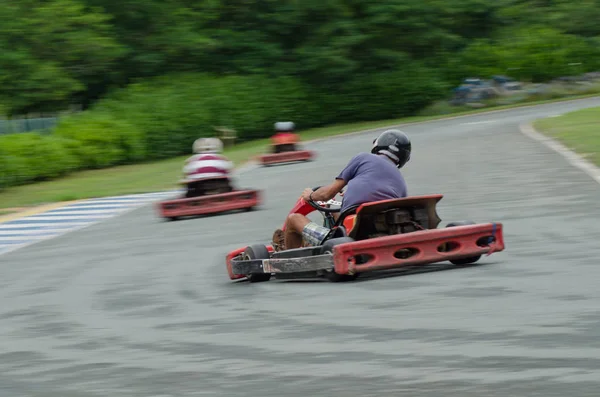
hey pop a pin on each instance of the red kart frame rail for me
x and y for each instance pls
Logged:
(389, 252)
(241, 199)
(285, 157)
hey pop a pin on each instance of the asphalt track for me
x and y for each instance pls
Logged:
(135, 306)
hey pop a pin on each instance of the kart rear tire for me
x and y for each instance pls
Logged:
(327, 247)
(257, 251)
(463, 261)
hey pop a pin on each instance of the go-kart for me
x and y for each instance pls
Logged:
(208, 196)
(285, 146)
(374, 236)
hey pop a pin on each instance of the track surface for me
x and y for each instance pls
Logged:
(138, 307)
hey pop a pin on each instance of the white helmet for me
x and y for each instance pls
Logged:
(287, 126)
(208, 145)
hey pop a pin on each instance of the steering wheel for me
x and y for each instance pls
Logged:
(318, 205)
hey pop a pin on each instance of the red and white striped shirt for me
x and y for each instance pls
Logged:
(207, 166)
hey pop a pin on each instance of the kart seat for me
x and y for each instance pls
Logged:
(344, 223)
(351, 220)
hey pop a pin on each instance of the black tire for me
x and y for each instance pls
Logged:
(327, 247)
(463, 261)
(257, 251)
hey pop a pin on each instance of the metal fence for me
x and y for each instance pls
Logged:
(17, 126)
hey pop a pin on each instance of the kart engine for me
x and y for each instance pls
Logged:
(395, 221)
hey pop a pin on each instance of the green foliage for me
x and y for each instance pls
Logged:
(533, 53)
(59, 52)
(31, 157)
(52, 51)
(100, 140)
(174, 110)
(157, 75)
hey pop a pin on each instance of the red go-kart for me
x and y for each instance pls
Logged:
(285, 146)
(208, 196)
(374, 236)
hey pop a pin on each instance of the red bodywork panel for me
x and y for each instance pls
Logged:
(284, 157)
(423, 244)
(209, 204)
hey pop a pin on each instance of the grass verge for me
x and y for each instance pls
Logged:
(163, 175)
(576, 130)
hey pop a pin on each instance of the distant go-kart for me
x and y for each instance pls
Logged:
(374, 236)
(285, 146)
(208, 196)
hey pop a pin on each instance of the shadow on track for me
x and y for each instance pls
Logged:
(383, 274)
(213, 215)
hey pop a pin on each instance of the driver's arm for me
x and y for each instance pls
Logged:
(328, 192)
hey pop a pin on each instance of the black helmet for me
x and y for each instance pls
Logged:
(394, 144)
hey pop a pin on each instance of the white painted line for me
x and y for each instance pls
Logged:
(64, 226)
(68, 227)
(21, 238)
(91, 206)
(64, 217)
(117, 201)
(573, 158)
(9, 247)
(480, 122)
(77, 211)
(114, 207)
(36, 232)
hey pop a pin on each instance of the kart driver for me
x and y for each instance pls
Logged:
(207, 163)
(370, 177)
(284, 134)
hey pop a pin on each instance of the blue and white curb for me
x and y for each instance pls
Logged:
(19, 233)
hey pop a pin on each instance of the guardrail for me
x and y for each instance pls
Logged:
(18, 126)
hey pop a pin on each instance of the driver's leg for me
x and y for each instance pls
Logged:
(301, 229)
(295, 224)
(298, 229)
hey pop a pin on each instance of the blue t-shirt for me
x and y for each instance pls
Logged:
(371, 177)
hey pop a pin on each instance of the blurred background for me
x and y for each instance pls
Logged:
(89, 84)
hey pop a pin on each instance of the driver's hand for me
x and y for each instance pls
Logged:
(306, 194)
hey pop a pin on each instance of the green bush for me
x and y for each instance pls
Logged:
(533, 53)
(170, 114)
(173, 111)
(10, 169)
(31, 157)
(98, 139)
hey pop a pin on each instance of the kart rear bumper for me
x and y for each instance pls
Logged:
(284, 157)
(209, 204)
(423, 247)
(418, 248)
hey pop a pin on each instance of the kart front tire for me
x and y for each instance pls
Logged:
(463, 261)
(257, 251)
(327, 247)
